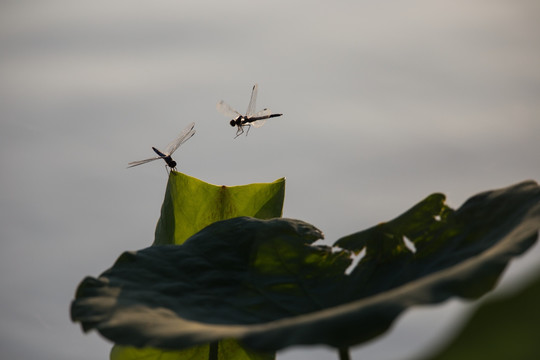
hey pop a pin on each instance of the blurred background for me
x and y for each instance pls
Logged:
(383, 103)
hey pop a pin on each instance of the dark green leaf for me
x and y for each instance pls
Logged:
(264, 283)
(500, 329)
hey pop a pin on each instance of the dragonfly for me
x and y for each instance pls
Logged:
(184, 136)
(257, 119)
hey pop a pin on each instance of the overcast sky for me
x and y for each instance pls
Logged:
(384, 102)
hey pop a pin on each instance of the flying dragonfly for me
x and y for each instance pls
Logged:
(184, 136)
(256, 119)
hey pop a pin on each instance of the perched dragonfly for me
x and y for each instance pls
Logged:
(251, 118)
(187, 133)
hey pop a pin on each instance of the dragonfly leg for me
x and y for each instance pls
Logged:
(240, 131)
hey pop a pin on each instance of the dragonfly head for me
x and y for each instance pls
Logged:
(234, 122)
(172, 164)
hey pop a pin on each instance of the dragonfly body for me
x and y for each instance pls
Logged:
(184, 136)
(168, 159)
(241, 121)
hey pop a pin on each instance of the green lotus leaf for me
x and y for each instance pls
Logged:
(266, 284)
(191, 204)
(226, 349)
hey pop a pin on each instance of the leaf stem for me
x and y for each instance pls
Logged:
(213, 353)
(344, 353)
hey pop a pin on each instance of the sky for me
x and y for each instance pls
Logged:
(384, 103)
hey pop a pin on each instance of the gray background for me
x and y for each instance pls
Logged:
(385, 102)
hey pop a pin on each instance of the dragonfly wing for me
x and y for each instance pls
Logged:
(262, 113)
(140, 162)
(226, 110)
(258, 123)
(252, 101)
(184, 136)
